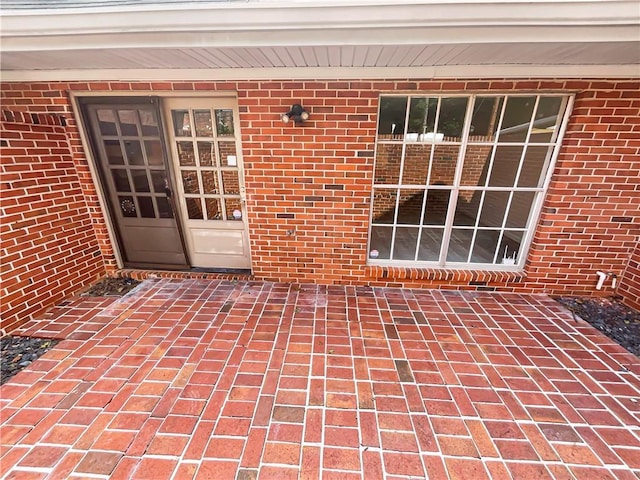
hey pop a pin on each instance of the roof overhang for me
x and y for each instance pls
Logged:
(346, 39)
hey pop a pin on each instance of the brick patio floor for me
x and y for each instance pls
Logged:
(202, 379)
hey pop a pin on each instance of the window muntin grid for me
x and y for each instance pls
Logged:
(459, 179)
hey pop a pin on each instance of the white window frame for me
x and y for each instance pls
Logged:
(539, 192)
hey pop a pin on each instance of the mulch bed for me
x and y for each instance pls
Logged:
(616, 320)
(112, 286)
(19, 352)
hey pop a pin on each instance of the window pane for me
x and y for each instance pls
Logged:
(509, 251)
(209, 182)
(484, 248)
(422, 115)
(190, 181)
(545, 125)
(154, 152)
(443, 166)
(128, 122)
(435, 212)
(392, 116)
(214, 212)
(493, 209)
(148, 123)
(516, 120)
(127, 207)
(204, 124)
(476, 165)
(120, 180)
(158, 181)
(164, 207)
(416, 163)
(520, 209)
(533, 169)
(133, 150)
(228, 155)
(146, 207)
(388, 160)
(224, 123)
(451, 119)
(207, 154)
(505, 165)
(114, 152)
(230, 182)
(484, 119)
(233, 207)
(186, 155)
(107, 122)
(467, 207)
(140, 181)
(384, 205)
(430, 244)
(405, 244)
(380, 242)
(410, 208)
(459, 245)
(181, 123)
(194, 208)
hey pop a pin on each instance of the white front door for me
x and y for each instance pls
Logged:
(207, 159)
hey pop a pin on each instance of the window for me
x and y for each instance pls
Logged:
(458, 180)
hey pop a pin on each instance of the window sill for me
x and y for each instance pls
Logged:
(477, 277)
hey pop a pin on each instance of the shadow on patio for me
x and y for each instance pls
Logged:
(212, 379)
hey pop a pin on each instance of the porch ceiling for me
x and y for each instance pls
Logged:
(267, 39)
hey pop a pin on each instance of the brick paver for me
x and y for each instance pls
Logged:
(203, 379)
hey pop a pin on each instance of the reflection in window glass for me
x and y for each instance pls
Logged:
(146, 207)
(148, 123)
(153, 150)
(158, 181)
(422, 115)
(120, 180)
(509, 250)
(181, 123)
(190, 181)
(443, 165)
(392, 118)
(233, 208)
(207, 154)
(186, 155)
(459, 245)
(520, 208)
(406, 241)
(164, 207)
(209, 181)
(435, 212)
(410, 207)
(485, 118)
(230, 182)
(228, 155)
(114, 152)
(388, 167)
(545, 125)
(505, 165)
(493, 208)
(202, 119)
(213, 209)
(224, 122)
(517, 118)
(128, 124)
(417, 157)
(140, 181)
(194, 209)
(107, 122)
(452, 115)
(533, 167)
(384, 205)
(380, 247)
(133, 150)
(430, 244)
(484, 247)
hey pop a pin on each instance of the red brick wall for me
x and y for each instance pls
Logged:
(630, 283)
(315, 179)
(48, 247)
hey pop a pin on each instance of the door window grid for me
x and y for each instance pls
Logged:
(129, 141)
(395, 240)
(221, 201)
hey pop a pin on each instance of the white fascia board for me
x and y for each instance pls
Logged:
(305, 22)
(325, 73)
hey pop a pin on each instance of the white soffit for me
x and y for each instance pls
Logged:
(266, 39)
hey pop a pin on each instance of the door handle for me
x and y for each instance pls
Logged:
(167, 190)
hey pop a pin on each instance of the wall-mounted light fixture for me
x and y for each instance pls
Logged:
(297, 114)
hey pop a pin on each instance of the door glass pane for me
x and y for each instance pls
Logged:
(209, 181)
(228, 155)
(517, 116)
(410, 207)
(164, 207)
(430, 244)
(416, 162)
(224, 122)
(485, 245)
(153, 150)
(476, 164)
(422, 117)
(520, 209)
(467, 207)
(114, 152)
(230, 182)
(181, 123)
(120, 180)
(207, 154)
(404, 247)
(380, 243)
(533, 168)
(459, 245)
(128, 124)
(127, 207)
(133, 150)
(384, 205)
(204, 127)
(140, 181)
(505, 165)
(233, 208)
(186, 156)
(443, 166)
(392, 117)
(435, 212)
(485, 118)
(107, 122)
(148, 123)
(493, 209)
(388, 161)
(190, 181)
(158, 181)
(545, 125)
(213, 209)
(194, 208)
(451, 119)
(146, 207)
(509, 251)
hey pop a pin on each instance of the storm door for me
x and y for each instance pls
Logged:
(128, 144)
(206, 155)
